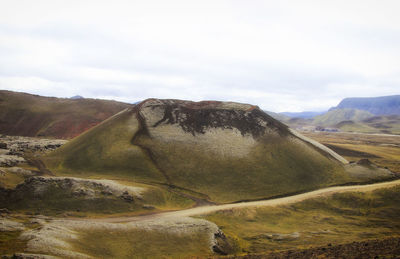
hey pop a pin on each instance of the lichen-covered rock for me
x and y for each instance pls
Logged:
(55, 236)
(20, 171)
(10, 160)
(10, 225)
(18, 145)
(78, 194)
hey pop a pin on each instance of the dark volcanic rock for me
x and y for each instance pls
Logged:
(221, 245)
(197, 117)
(365, 162)
(127, 197)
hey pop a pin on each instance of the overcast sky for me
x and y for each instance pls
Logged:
(281, 55)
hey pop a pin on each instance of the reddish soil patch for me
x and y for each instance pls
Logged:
(382, 248)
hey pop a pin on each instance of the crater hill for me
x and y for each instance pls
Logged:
(215, 151)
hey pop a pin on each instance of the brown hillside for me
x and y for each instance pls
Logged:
(33, 115)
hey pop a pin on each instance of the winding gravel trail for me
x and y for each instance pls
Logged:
(270, 202)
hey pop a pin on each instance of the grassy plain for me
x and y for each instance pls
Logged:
(338, 219)
(11, 243)
(142, 244)
(383, 150)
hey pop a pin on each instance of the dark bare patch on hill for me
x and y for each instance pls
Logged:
(349, 152)
(197, 117)
(30, 115)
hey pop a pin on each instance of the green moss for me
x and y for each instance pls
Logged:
(274, 167)
(10, 242)
(56, 200)
(336, 116)
(10, 180)
(105, 149)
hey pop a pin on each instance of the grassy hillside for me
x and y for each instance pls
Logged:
(336, 116)
(32, 115)
(221, 152)
(81, 197)
(106, 151)
(378, 124)
(338, 219)
(142, 244)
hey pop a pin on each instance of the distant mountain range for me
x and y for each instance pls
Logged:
(304, 115)
(384, 105)
(369, 115)
(335, 116)
(76, 97)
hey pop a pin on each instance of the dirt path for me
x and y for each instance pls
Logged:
(271, 202)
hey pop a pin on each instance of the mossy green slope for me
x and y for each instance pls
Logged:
(336, 116)
(225, 152)
(106, 150)
(378, 124)
(272, 168)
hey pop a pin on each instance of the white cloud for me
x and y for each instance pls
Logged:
(280, 55)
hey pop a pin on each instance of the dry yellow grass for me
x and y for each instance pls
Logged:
(383, 150)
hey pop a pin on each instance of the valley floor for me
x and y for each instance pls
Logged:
(381, 149)
(354, 221)
(215, 228)
(270, 202)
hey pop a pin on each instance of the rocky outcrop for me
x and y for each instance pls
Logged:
(44, 192)
(54, 237)
(14, 148)
(10, 160)
(10, 225)
(221, 244)
(18, 145)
